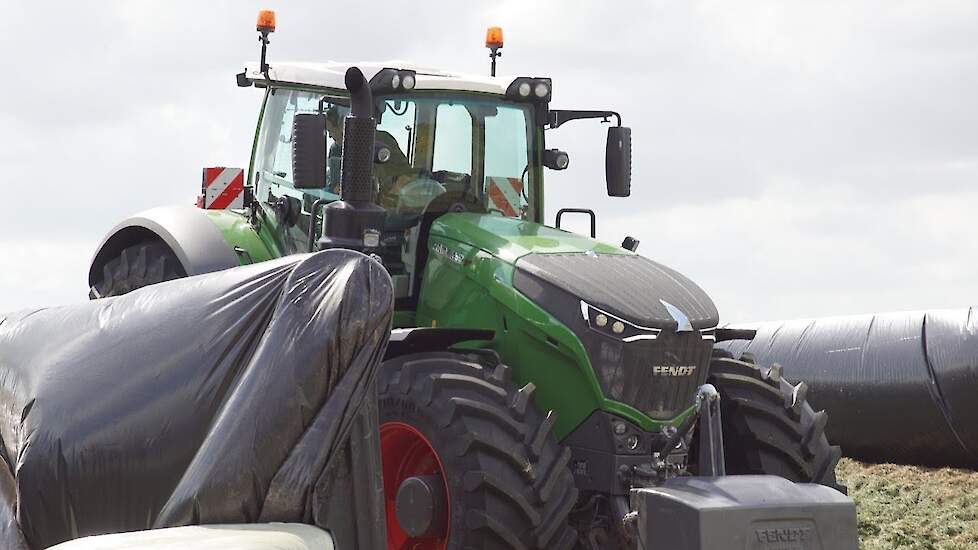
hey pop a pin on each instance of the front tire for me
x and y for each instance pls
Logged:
(505, 478)
(768, 425)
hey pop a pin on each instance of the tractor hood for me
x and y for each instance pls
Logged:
(608, 277)
(510, 239)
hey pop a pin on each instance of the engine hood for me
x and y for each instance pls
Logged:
(510, 239)
(604, 276)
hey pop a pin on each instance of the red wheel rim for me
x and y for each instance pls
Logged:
(405, 452)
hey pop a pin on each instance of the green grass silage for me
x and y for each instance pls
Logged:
(913, 508)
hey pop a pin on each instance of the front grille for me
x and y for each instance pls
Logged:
(627, 371)
(651, 375)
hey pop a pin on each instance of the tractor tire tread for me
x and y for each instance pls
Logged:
(500, 449)
(769, 425)
(142, 264)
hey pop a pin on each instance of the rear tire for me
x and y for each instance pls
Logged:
(507, 478)
(139, 265)
(768, 425)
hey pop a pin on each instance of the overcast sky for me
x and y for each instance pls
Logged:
(795, 158)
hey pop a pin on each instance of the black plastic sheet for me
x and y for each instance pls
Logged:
(240, 396)
(898, 387)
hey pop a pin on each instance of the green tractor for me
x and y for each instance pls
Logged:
(542, 389)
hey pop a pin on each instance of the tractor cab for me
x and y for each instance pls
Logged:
(443, 143)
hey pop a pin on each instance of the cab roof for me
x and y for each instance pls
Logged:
(331, 74)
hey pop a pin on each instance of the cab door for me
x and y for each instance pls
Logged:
(288, 209)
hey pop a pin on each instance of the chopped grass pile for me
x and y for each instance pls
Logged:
(913, 508)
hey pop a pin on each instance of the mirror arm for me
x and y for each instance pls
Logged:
(558, 116)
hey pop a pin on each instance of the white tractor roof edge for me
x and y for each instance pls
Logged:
(330, 74)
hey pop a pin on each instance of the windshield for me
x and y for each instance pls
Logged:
(448, 152)
(474, 149)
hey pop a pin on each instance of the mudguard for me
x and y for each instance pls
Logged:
(197, 242)
(242, 396)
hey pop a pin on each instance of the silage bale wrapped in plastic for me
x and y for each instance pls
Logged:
(898, 387)
(246, 395)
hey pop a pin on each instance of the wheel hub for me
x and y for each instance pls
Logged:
(420, 505)
(415, 493)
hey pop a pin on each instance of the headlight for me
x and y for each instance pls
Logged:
(615, 327)
(532, 89)
(392, 80)
(555, 159)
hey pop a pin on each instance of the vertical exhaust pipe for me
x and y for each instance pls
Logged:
(355, 221)
(359, 134)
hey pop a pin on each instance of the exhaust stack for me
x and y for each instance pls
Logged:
(355, 220)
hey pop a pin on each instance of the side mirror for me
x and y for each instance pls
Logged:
(618, 161)
(309, 151)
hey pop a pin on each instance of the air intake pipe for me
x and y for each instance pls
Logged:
(355, 221)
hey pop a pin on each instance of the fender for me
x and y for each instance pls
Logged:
(425, 339)
(197, 242)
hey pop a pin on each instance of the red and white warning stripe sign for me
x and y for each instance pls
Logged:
(506, 195)
(223, 188)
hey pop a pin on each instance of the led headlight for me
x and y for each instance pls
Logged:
(615, 327)
(537, 90)
(392, 80)
(555, 159)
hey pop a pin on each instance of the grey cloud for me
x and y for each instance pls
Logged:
(797, 158)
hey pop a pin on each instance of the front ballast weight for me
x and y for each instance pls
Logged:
(670, 509)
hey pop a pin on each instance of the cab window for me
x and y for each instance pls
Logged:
(453, 139)
(273, 162)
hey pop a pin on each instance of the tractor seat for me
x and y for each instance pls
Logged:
(259, 536)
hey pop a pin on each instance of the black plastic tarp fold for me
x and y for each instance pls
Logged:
(240, 396)
(898, 387)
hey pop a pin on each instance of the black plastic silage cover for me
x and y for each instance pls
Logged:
(898, 387)
(238, 396)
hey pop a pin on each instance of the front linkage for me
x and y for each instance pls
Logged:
(670, 509)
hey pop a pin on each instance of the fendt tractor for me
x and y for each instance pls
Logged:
(542, 389)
